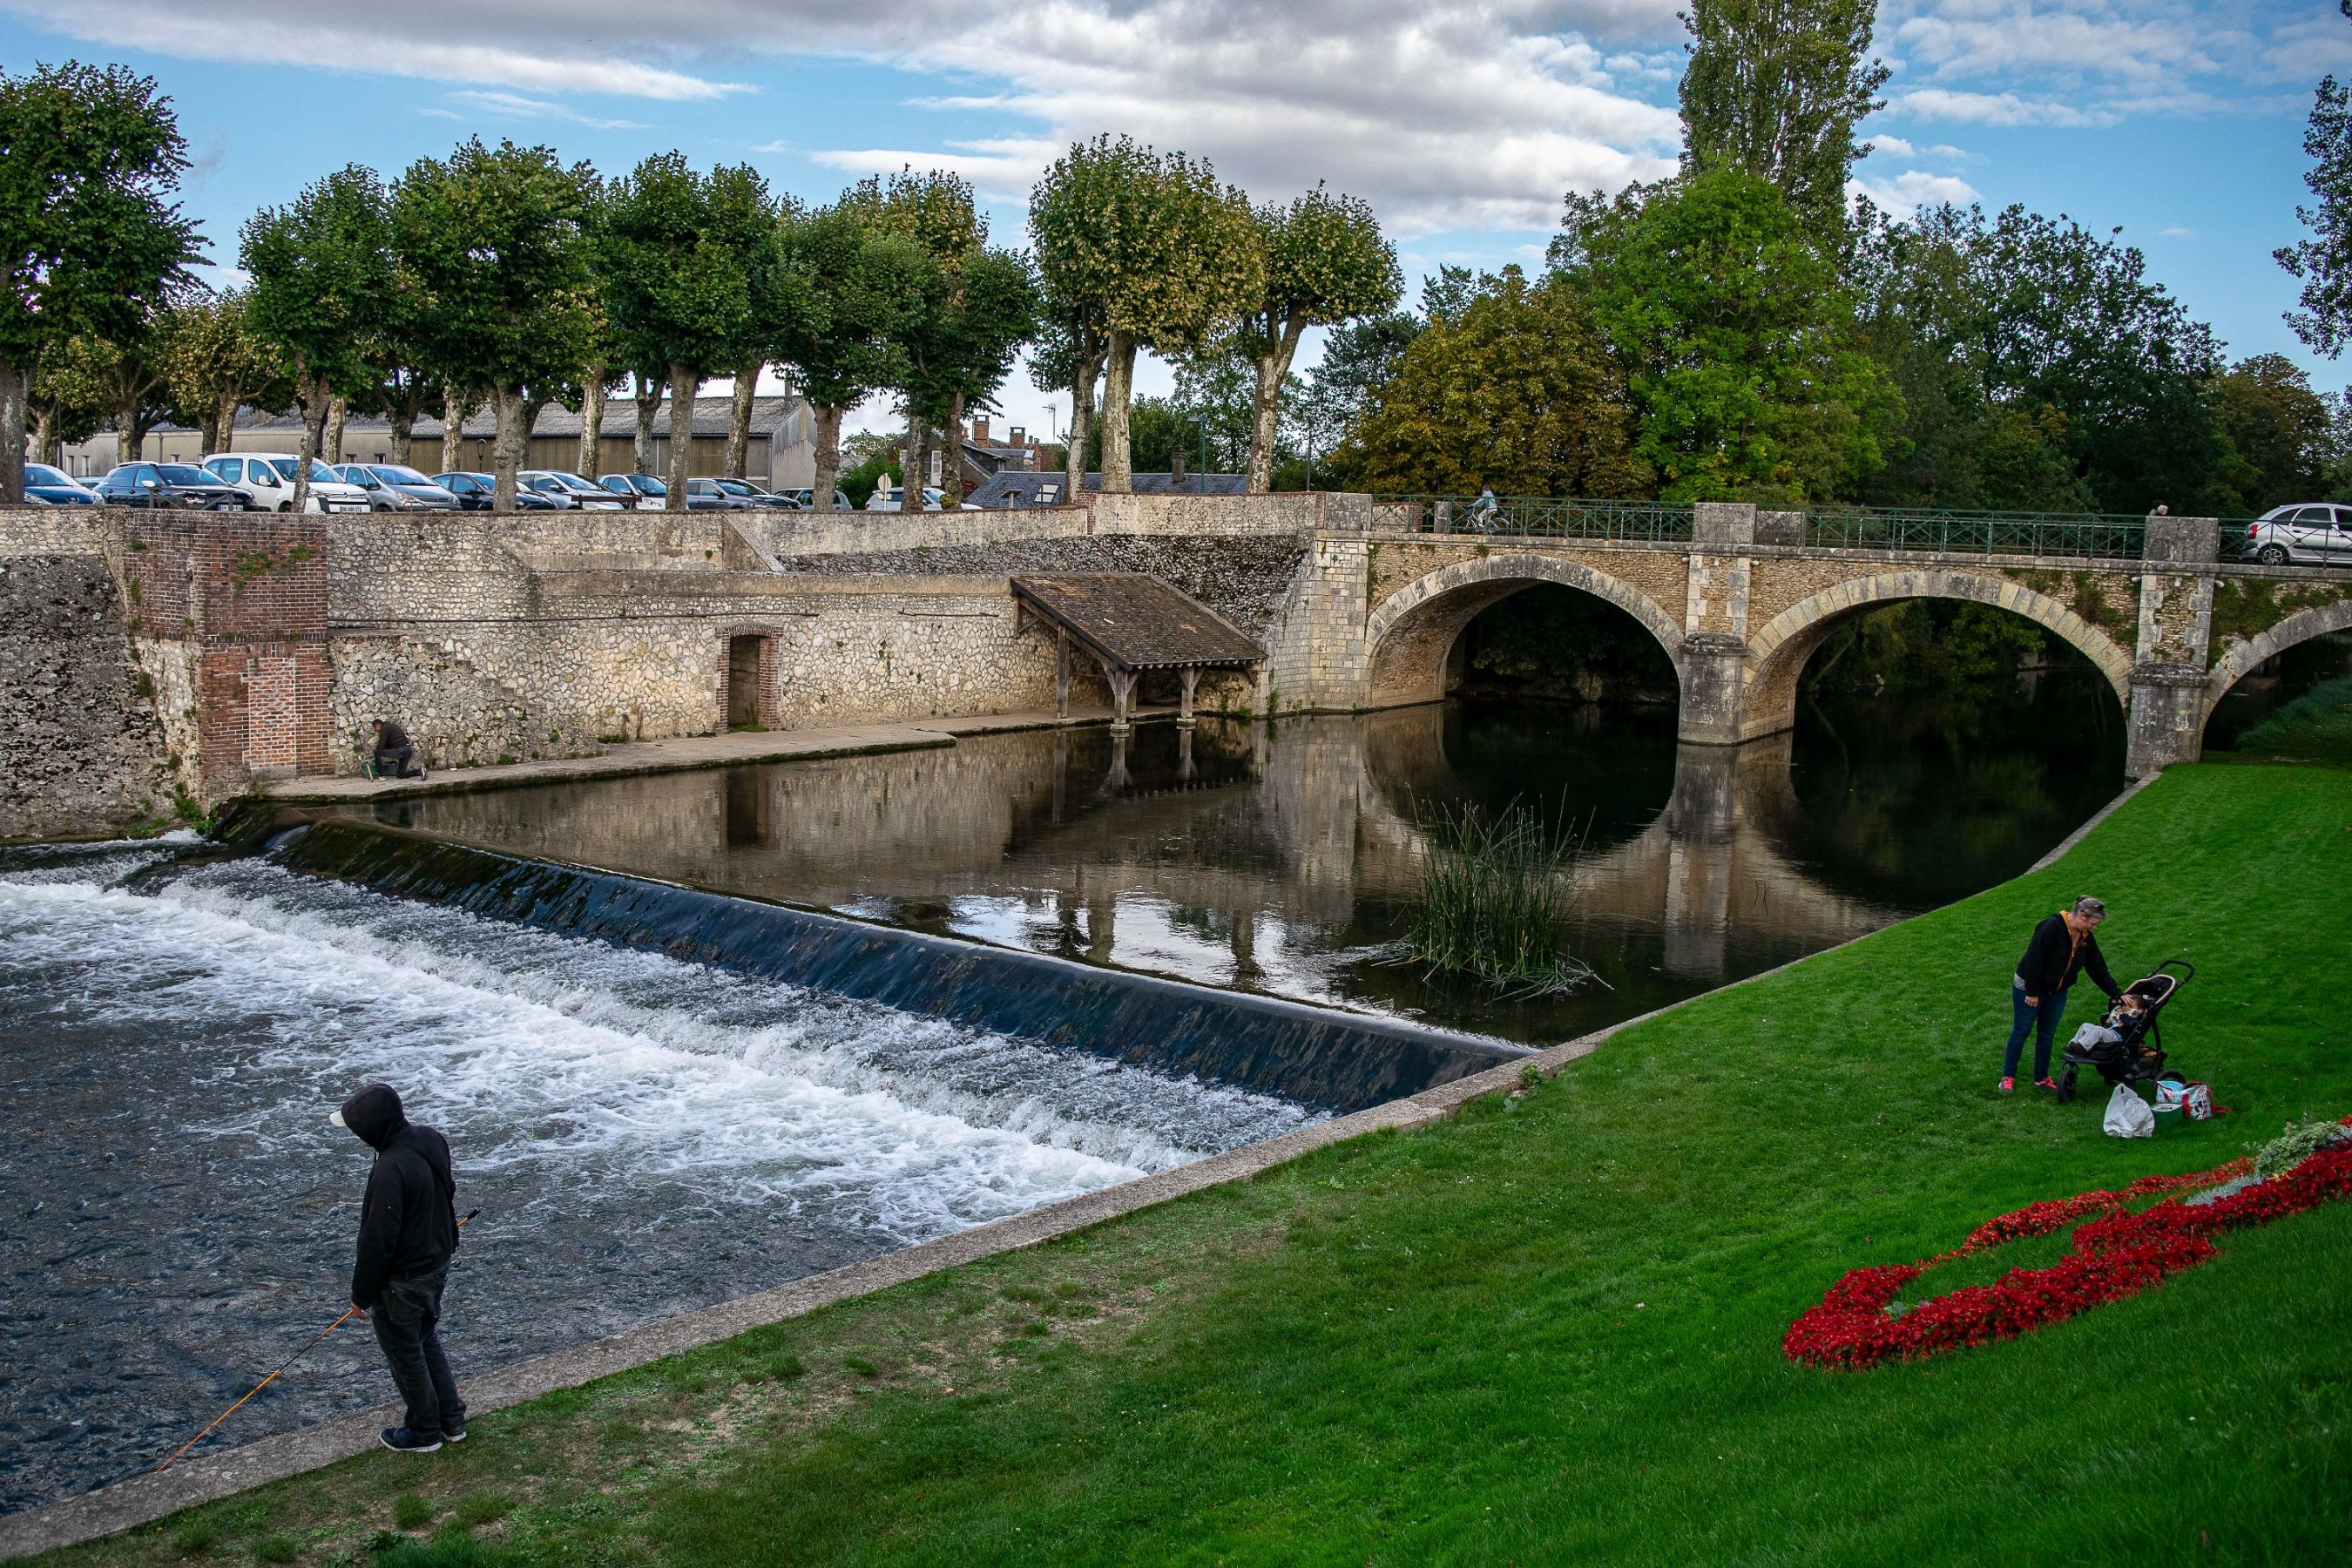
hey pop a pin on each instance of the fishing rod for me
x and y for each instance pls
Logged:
(281, 1366)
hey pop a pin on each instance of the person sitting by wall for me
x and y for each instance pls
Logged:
(393, 752)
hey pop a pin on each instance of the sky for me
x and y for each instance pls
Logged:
(2178, 121)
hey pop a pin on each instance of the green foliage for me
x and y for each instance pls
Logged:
(1326, 264)
(322, 285)
(2040, 369)
(2245, 607)
(480, 1508)
(2323, 263)
(2317, 727)
(1494, 902)
(2299, 1143)
(1518, 391)
(1775, 89)
(1942, 651)
(2279, 428)
(686, 262)
(1740, 339)
(858, 483)
(410, 1511)
(215, 361)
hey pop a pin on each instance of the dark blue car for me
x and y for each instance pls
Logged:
(46, 485)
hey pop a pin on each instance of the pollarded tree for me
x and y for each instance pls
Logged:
(850, 287)
(689, 255)
(2324, 262)
(1326, 263)
(215, 364)
(492, 238)
(132, 374)
(1775, 88)
(1153, 251)
(1518, 391)
(1740, 339)
(1068, 357)
(321, 291)
(90, 235)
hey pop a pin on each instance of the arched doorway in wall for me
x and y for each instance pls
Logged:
(748, 688)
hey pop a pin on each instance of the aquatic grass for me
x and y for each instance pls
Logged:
(1494, 901)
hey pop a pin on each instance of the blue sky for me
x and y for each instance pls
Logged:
(2179, 121)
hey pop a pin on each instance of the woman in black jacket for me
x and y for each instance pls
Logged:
(2061, 948)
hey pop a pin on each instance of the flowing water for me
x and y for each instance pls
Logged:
(646, 1135)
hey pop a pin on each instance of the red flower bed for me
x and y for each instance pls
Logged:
(2114, 1254)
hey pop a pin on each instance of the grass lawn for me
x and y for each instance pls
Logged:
(1549, 1330)
(2317, 727)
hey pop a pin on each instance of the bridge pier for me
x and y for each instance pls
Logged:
(2165, 721)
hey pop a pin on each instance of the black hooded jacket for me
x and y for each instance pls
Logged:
(408, 1221)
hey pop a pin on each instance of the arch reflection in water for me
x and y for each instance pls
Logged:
(1283, 859)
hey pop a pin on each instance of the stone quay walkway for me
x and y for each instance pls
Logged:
(690, 752)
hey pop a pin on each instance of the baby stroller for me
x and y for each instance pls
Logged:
(2127, 1045)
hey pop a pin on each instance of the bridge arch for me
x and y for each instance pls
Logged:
(2244, 658)
(1778, 652)
(1408, 637)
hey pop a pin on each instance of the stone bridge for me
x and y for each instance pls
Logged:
(1740, 606)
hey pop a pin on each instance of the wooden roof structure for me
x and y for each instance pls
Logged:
(1130, 622)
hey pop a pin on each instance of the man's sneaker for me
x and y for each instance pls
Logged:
(422, 775)
(453, 1431)
(2009, 1086)
(2049, 1083)
(401, 1440)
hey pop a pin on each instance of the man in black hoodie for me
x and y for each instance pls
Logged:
(408, 1230)
(2062, 947)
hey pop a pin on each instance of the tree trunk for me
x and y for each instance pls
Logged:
(338, 412)
(513, 439)
(683, 386)
(1118, 379)
(312, 391)
(951, 459)
(130, 435)
(739, 420)
(649, 396)
(1082, 419)
(14, 389)
(1266, 407)
(403, 423)
(914, 463)
(453, 431)
(48, 437)
(223, 425)
(591, 424)
(828, 455)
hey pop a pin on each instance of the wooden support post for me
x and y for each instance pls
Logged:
(1122, 696)
(1191, 676)
(1061, 676)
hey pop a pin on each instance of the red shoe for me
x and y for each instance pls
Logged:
(2007, 1085)
(2049, 1083)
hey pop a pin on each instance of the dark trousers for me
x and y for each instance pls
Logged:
(393, 763)
(2042, 1020)
(407, 1316)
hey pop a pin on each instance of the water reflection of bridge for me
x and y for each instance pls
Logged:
(1183, 837)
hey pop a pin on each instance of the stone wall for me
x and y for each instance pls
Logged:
(81, 751)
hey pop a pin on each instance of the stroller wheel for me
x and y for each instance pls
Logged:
(2066, 1086)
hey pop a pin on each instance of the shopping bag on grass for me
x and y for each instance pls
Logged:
(2128, 1115)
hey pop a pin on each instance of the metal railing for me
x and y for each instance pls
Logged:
(2085, 536)
(1546, 517)
(2064, 535)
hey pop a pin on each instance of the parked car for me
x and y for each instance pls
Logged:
(804, 499)
(159, 485)
(478, 492)
(714, 496)
(649, 494)
(46, 485)
(894, 500)
(758, 498)
(265, 480)
(390, 486)
(570, 492)
(2311, 531)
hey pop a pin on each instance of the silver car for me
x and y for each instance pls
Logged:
(2311, 532)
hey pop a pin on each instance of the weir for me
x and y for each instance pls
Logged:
(1312, 1055)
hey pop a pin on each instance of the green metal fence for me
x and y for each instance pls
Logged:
(2067, 535)
(1547, 517)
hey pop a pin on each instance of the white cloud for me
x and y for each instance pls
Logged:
(2178, 233)
(515, 106)
(1912, 189)
(1998, 109)
(1893, 146)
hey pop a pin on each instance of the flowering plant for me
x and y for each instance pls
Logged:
(2114, 1255)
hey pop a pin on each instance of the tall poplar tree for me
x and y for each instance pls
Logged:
(2324, 262)
(1775, 89)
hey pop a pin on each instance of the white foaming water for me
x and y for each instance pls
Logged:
(645, 1136)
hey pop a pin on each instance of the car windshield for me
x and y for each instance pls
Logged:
(735, 487)
(187, 474)
(647, 487)
(393, 474)
(42, 474)
(574, 482)
(539, 481)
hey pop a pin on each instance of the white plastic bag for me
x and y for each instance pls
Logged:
(2128, 1115)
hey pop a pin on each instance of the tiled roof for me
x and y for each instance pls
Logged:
(1136, 621)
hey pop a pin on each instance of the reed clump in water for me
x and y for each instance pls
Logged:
(1494, 902)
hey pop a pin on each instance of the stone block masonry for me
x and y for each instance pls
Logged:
(81, 751)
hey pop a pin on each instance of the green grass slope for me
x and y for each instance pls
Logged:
(1549, 1330)
(2317, 727)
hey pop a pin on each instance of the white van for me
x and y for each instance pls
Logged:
(266, 479)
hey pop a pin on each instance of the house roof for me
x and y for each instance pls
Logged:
(1132, 620)
(712, 416)
(1019, 488)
